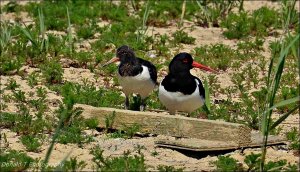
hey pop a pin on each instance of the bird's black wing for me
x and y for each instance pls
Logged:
(151, 68)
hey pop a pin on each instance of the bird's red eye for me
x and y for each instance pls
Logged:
(185, 60)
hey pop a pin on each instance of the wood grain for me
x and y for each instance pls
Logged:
(178, 126)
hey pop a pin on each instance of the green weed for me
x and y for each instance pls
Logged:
(52, 71)
(72, 165)
(293, 137)
(9, 66)
(257, 24)
(163, 168)
(226, 163)
(5, 37)
(83, 58)
(88, 94)
(19, 96)
(13, 160)
(32, 79)
(127, 131)
(12, 7)
(217, 56)
(162, 12)
(39, 42)
(122, 163)
(12, 84)
(92, 123)
(182, 37)
(109, 121)
(131, 130)
(211, 12)
(32, 143)
(273, 81)
(41, 92)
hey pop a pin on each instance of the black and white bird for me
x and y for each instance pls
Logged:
(135, 75)
(180, 90)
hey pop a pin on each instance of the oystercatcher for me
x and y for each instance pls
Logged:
(135, 74)
(180, 90)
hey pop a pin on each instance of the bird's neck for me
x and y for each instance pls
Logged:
(130, 67)
(181, 74)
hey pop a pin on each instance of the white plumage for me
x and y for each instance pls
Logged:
(178, 101)
(140, 84)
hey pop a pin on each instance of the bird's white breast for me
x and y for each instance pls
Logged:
(178, 101)
(139, 84)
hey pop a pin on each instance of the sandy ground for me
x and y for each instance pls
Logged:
(116, 147)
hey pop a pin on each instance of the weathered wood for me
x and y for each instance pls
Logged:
(178, 126)
(208, 145)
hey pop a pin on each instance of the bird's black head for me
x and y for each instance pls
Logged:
(125, 53)
(181, 63)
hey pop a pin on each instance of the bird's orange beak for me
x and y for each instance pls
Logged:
(203, 67)
(114, 59)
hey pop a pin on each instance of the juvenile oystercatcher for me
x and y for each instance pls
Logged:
(135, 74)
(180, 90)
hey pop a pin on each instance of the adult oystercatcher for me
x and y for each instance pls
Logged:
(135, 74)
(180, 90)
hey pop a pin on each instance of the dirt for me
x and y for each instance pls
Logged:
(116, 147)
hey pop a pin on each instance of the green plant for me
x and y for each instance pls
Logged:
(25, 124)
(72, 123)
(72, 165)
(182, 37)
(154, 153)
(243, 24)
(52, 72)
(252, 161)
(131, 130)
(211, 12)
(226, 163)
(8, 119)
(142, 32)
(13, 160)
(273, 82)
(83, 58)
(12, 7)
(109, 121)
(289, 14)
(122, 163)
(5, 37)
(164, 168)
(241, 27)
(32, 143)
(19, 96)
(126, 131)
(10, 66)
(12, 84)
(39, 104)
(294, 138)
(39, 44)
(88, 94)
(163, 12)
(218, 56)
(92, 123)
(32, 79)
(41, 92)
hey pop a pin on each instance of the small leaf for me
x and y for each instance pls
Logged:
(282, 118)
(285, 102)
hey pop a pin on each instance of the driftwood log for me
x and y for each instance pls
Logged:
(172, 125)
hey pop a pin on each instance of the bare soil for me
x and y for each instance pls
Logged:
(115, 147)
